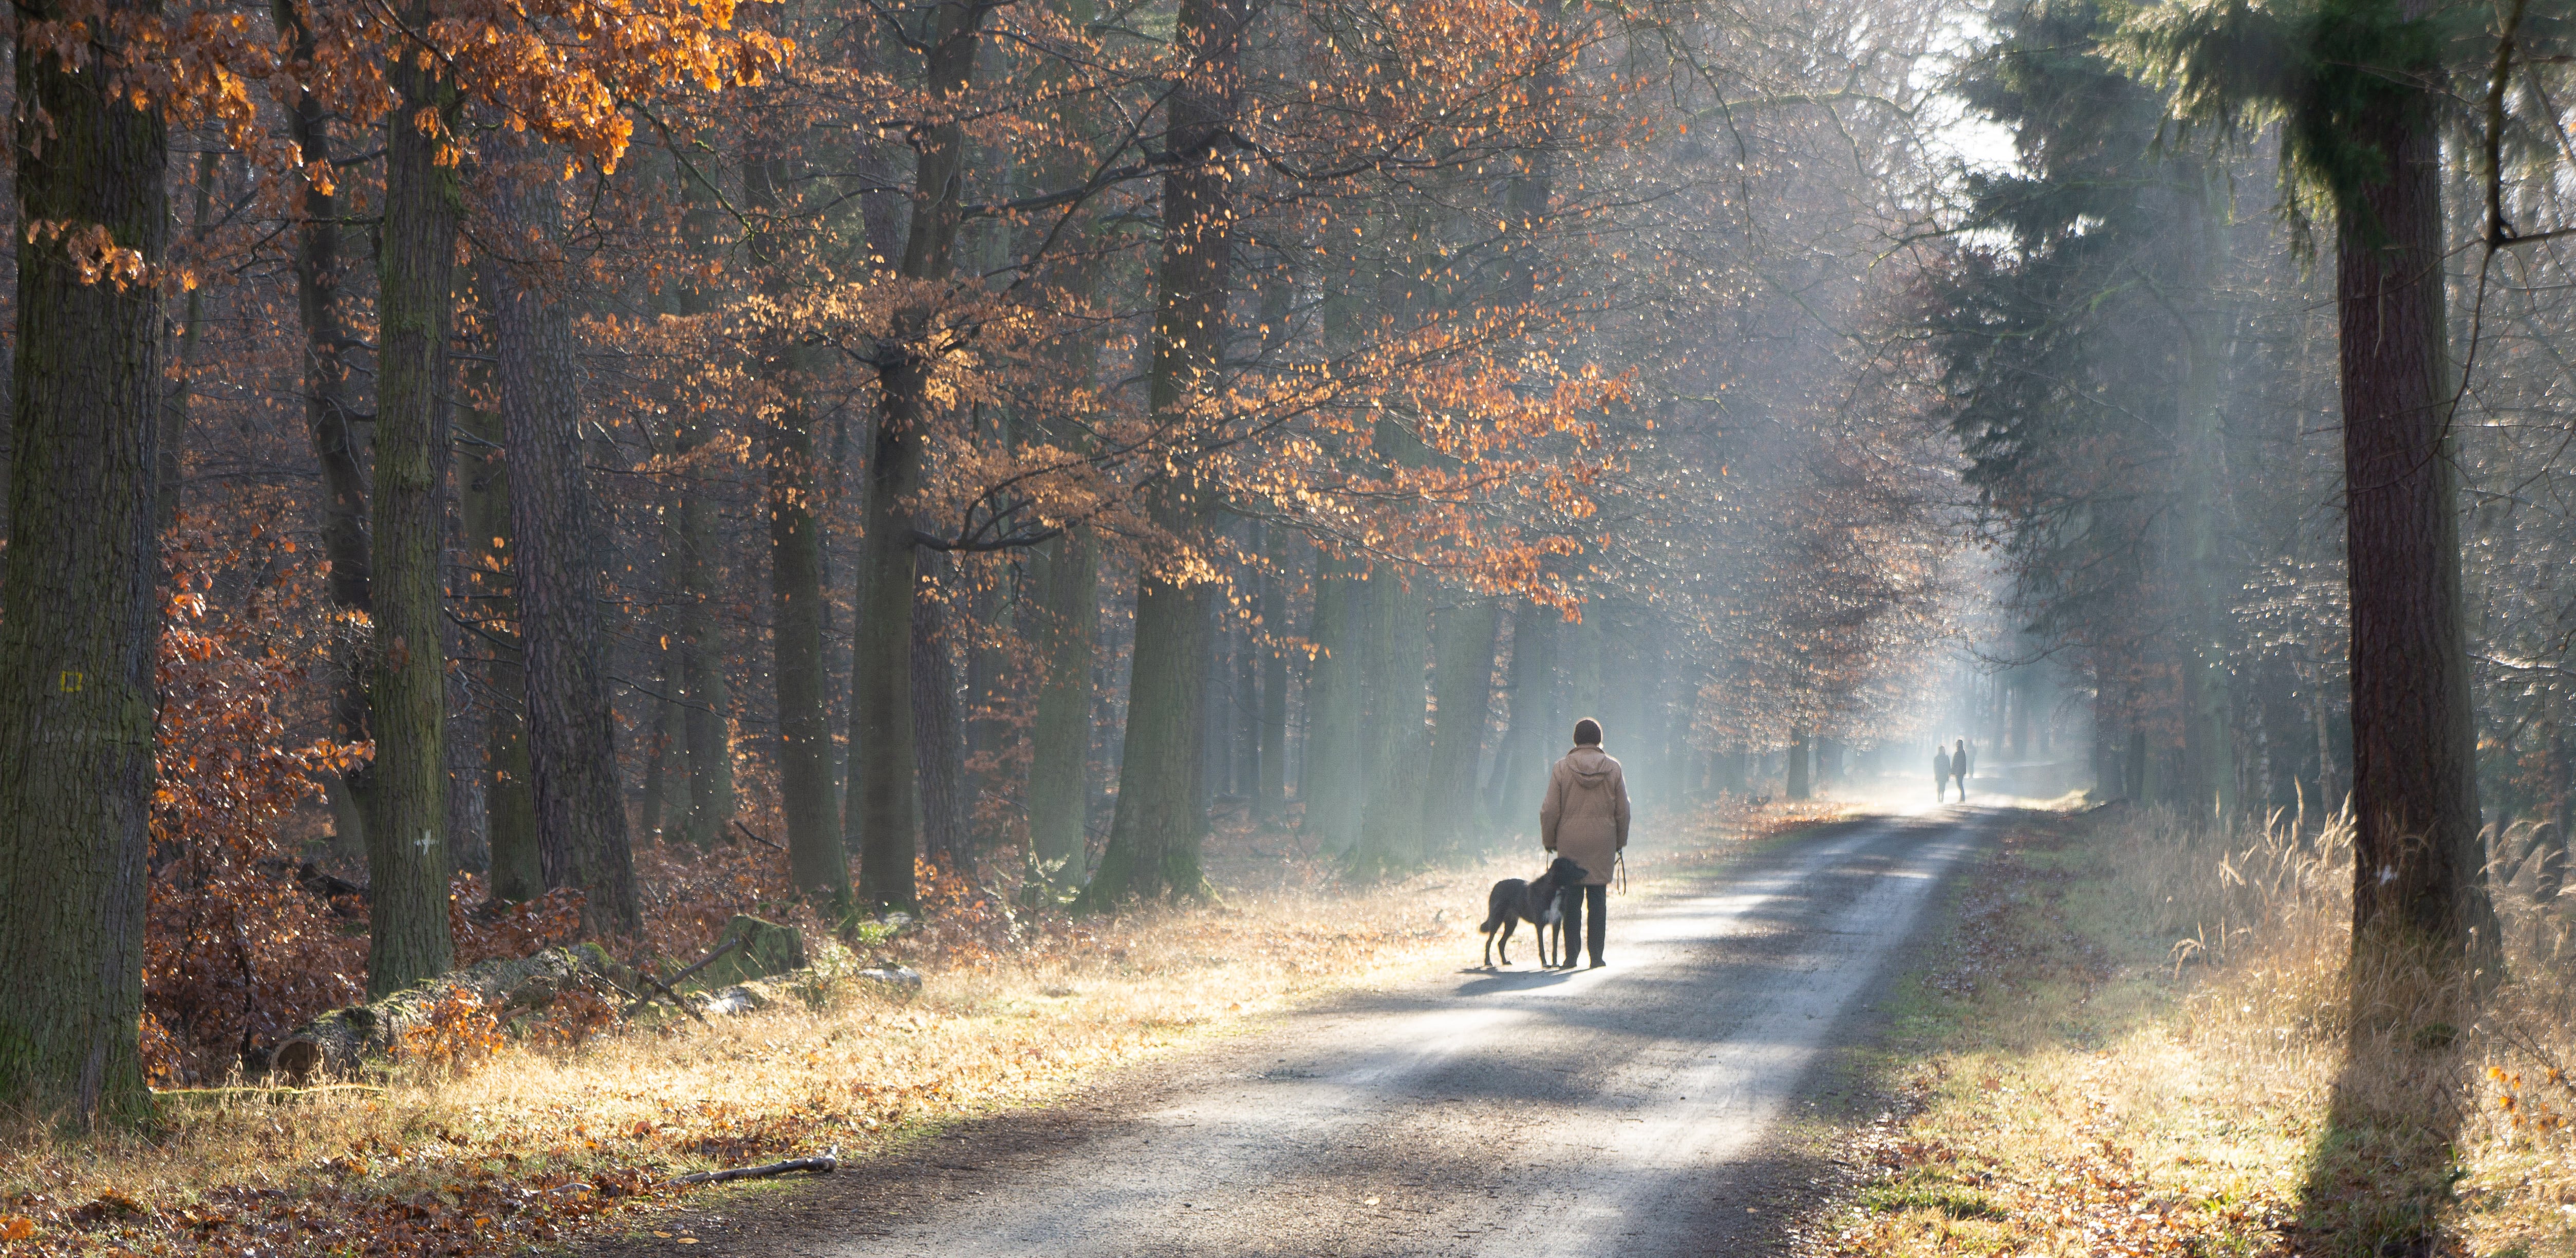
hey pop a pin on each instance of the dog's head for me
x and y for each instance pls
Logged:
(1563, 872)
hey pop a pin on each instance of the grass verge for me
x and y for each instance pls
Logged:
(2140, 1041)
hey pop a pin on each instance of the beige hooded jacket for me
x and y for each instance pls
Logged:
(1585, 815)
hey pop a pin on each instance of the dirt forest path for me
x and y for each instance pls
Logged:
(1628, 1110)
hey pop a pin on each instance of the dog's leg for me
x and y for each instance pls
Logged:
(1506, 944)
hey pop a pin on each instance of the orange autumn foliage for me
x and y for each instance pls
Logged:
(236, 953)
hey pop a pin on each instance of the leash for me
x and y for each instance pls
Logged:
(1619, 861)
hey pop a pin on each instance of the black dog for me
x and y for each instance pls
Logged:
(1513, 901)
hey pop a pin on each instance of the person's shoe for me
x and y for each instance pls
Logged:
(1597, 963)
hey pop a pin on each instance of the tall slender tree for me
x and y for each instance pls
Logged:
(330, 412)
(884, 800)
(582, 840)
(78, 605)
(416, 284)
(2362, 83)
(1154, 836)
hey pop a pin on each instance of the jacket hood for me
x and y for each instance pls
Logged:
(1591, 765)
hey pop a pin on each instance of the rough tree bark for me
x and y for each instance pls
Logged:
(416, 270)
(78, 605)
(1154, 837)
(571, 732)
(884, 809)
(2419, 863)
(1060, 750)
(937, 737)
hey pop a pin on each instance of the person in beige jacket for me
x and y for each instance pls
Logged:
(1585, 818)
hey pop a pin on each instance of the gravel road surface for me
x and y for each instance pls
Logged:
(1628, 1110)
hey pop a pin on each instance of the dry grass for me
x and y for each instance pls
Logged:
(2141, 1040)
(531, 1144)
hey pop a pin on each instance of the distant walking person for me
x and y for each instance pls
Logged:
(1940, 773)
(1959, 768)
(1585, 817)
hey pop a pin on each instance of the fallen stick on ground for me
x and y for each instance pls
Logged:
(273, 1093)
(665, 985)
(824, 1165)
(674, 997)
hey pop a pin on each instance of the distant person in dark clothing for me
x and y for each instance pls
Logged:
(1585, 818)
(1940, 774)
(1959, 768)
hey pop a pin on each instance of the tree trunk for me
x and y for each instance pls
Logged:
(2419, 863)
(78, 597)
(1798, 786)
(329, 424)
(572, 737)
(1155, 835)
(1396, 744)
(1329, 776)
(667, 751)
(1523, 736)
(1060, 754)
(1216, 726)
(815, 857)
(884, 810)
(510, 801)
(406, 848)
(170, 461)
(509, 807)
(1246, 641)
(1463, 664)
(2209, 744)
(883, 807)
(1270, 791)
(469, 813)
(938, 742)
(708, 732)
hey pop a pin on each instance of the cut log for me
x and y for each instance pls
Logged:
(338, 1042)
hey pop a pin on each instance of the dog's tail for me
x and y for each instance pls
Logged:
(1493, 922)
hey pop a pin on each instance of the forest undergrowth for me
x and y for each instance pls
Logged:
(2138, 1040)
(485, 1139)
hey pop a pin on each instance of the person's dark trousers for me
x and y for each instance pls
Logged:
(1571, 902)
